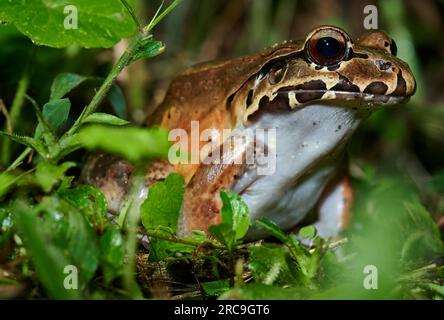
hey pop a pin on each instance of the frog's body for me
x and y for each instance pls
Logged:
(314, 93)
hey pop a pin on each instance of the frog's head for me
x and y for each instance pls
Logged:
(328, 67)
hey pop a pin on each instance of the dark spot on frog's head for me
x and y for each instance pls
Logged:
(345, 85)
(386, 44)
(376, 87)
(401, 86)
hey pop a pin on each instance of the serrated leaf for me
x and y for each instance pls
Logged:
(64, 83)
(27, 141)
(307, 232)
(50, 22)
(105, 118)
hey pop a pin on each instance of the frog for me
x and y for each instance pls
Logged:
(314, 93)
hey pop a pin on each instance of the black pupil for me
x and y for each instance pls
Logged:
(393, 48)
(328, 47)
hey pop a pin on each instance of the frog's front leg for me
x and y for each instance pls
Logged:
(334, 207)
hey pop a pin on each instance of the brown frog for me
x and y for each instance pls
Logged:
(312, 93)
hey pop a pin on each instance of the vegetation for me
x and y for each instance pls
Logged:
(82, 95)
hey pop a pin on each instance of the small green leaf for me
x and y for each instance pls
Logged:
(56, 113)
(308, 232)
(271, 263)
(64, 83)
(91, 202)
(162, 206)
(112, 252)
(105, 118)
(134, 144)
(213, 288)
(48, 174)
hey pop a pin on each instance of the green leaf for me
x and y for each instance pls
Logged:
(90, 202)
(48, 259)
(64, 83)
(105, 118)
(225, 234)
(82, 245)
(48, 174)
(235, 212)
(308, 232)
(117, 101)
(271, 228)
(162, 206)
(134, 144)
(160, 214)
(100, 23)
(112, 252)
(27, 141)
(213, 288)
(56, 113)
(148, 49)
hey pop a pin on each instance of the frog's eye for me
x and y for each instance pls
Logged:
(327, 46)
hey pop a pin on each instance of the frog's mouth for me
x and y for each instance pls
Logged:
(338, 97)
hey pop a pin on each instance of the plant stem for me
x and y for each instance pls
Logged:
(130, 225)
(124, 60)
